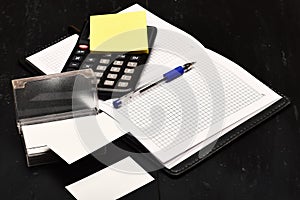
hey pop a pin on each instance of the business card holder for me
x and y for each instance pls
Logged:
(48, 98)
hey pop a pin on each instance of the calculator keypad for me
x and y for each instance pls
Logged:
(128, 71)
(134, 58)
(123, 84)
(74, 65)
(79, 52)
(126, 77)
(104, 61)
(108, 82)
(118, 62)
(114, 71)
(112, 76)
(101, 67)
(132, 64)
(77, 58)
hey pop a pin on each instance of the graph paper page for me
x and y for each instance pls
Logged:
(52, 59)
(174, 117)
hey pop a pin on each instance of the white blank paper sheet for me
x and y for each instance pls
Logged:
(112, 182)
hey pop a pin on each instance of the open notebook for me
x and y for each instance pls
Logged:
(175, 119)
(178, 119)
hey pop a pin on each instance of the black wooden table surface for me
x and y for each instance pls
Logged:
(261, 36)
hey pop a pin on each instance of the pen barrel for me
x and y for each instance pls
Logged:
(171, 75)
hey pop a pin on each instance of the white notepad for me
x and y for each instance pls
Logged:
(52, 59)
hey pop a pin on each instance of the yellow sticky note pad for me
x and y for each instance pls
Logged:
(122, 32)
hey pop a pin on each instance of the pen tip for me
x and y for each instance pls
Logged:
(188, 65)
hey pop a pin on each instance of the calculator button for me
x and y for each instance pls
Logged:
(74, 64)
(86, 65)
(129, 71)
(79, 52)
(134, 58)
(123, 84)
(132, 64)
(107, 55)
(118, 62)
(70, 69)
(91, 60)
(121, 56)
(126, 77)
(83, 46)
(107, 82)
(104, 61)
(115, 69)
(99, 74)
(77, 58)
(101, 67)
(112, 76)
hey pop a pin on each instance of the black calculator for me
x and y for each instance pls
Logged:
(117, 72)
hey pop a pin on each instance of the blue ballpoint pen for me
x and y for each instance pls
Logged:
(167, 77)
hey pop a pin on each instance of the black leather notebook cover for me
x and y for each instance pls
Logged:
(229, 137)
(226, 139)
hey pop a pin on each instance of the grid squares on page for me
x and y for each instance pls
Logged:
(165, 114)
(160, 61)
(174, 112)
(52, 59)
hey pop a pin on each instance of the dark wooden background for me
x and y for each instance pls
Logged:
(262, 36)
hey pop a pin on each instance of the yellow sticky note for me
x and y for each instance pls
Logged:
(122, 32)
